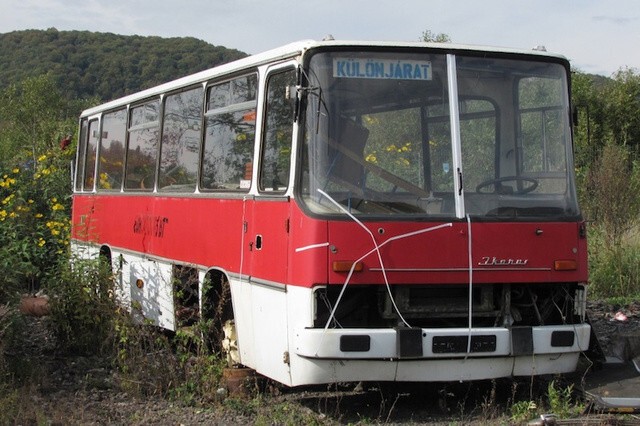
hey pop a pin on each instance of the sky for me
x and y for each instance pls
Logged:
(597, 36)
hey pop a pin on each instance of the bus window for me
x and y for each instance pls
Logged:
(142, 151)
(378, 143)
(543, 132)
(110, 165)
(478, 133)
(180, 150)
(230, 134)
(394, 144)
(82, 146)
(276, 146)
(90, 157)
(515, 138)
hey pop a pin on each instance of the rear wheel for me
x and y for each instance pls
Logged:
(106, 280)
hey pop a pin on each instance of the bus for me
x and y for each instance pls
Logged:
(340, 211)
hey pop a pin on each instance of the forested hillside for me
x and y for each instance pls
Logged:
(85, 64)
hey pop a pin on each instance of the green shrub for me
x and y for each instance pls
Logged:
(561, 401)
(614, 269)
(611, 198)
(522, 411)
(34, 222)
(83, 308)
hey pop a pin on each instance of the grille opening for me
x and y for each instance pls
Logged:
(442, 306)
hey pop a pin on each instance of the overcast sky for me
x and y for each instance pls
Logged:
(597, 36)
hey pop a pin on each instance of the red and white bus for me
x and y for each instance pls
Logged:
(349, 211)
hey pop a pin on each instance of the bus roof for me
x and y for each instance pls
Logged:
(292, 50)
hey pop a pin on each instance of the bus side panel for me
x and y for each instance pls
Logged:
(268, 240)
(83, 228)
(259, 293)
(262, 328)
(208, 235)
(204, 231)
(151, 290)
(309, 248)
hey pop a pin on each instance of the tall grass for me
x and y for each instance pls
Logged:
(610, 197)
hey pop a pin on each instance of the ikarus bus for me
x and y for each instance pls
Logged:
(348, 211)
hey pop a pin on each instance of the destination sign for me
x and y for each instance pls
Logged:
(381, 69)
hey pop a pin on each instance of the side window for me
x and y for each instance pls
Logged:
(230, 135)
(278, 130)
(110, 165)
(90, 156)
(543, 132)
(541, 122)
(180, 150)
(142, 151)
(82, 149)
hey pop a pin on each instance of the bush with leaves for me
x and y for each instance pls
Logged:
(34, 221)
(34, 183)
(83, 307)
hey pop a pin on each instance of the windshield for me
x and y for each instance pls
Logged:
(382, 138)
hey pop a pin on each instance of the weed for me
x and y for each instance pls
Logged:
(615, 270)
(83, 308)
(286, 413)
(561, 401)
(243, 407)
(489, 405)
(522, 411)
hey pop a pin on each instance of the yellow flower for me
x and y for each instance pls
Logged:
(16, 170)
(38, 215)
(57, 206)
(42, 157)
(41, 242)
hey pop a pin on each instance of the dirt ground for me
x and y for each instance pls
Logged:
(78, 390)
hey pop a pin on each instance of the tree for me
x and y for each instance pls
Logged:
(623, 108)
(430, 36)
(34, 183)
(34, 117)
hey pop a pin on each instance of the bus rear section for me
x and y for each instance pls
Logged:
(454, 246)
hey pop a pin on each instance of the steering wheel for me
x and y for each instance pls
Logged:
(533, 184)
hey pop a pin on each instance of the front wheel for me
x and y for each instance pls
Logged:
(230, 343)
(217, 316)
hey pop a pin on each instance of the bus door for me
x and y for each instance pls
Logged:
(267, 224)
(271, 206)
(84, 199)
